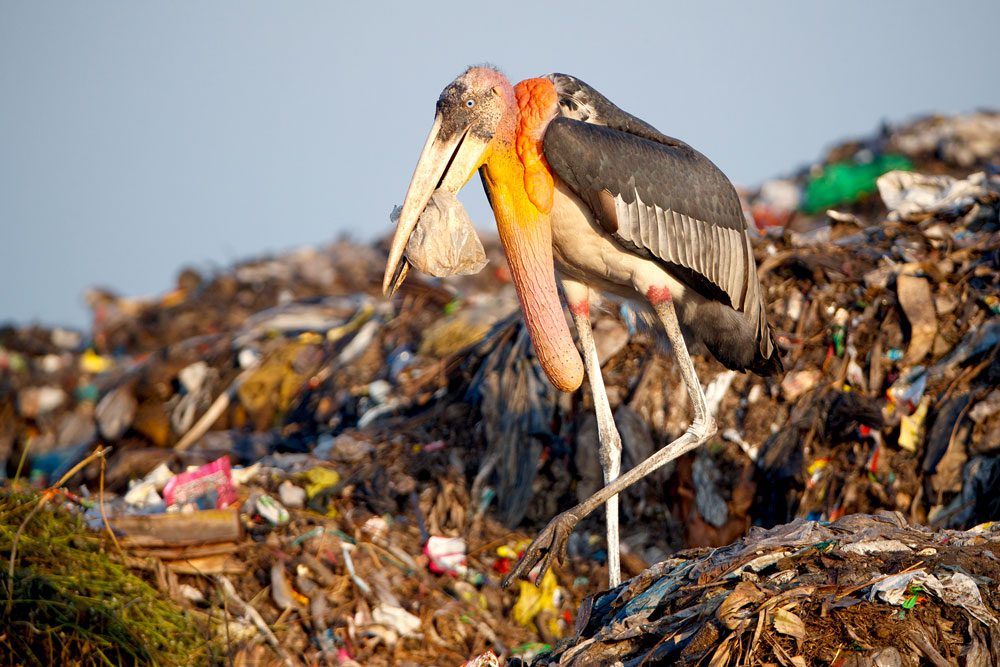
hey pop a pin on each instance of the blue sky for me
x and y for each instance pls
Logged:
(138, 137)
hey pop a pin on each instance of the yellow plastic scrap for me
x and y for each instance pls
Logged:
(91, 362)
(911, 426)
(319, 478)
(818, 465)
(505, 551)
(310, 338)
(533, 600)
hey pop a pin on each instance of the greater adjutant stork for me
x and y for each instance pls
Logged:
(583, 189)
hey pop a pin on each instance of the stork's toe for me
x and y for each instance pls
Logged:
(550, 544)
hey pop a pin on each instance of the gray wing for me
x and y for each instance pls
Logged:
(657, 197)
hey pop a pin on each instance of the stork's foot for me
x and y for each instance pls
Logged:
(550, 543)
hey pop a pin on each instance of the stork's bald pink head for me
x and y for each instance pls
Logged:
(477, 101)
(470, 112)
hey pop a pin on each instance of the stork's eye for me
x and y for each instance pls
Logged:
(470, 103)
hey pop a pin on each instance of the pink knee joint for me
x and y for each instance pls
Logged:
(658, 295)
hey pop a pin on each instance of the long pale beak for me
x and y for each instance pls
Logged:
(445, 163)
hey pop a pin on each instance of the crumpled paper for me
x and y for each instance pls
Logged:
(444, 242)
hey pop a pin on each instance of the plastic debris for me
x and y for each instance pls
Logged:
(533, 600)
(320, 479)
(271, 510)
(444, 242)
(446, 555)
(116, 412)
(846, 182)
(292, 495)
(911, 196)
(210, 486)
(915, 298)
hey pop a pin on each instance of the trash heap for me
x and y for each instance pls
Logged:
(315, 473)
(864, 590)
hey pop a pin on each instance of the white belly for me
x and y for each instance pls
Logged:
(584, 251)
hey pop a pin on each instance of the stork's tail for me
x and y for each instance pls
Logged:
(737, 343)
(770, 365)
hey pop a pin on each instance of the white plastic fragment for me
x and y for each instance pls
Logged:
(192, 377)
(159, 476)
(37, 401)
(956, 589)
(248, 358)
(271, 510)
(362, 339)
(397, 618)
(869, 547)
(191, 594)
(143, 495)
(243, 475)
(960, 590)
(345, 551)
(488, 659)
(894, 589)
(446, 554)
(291, 495)
(759, 563)
(912, 196)
(732, 435)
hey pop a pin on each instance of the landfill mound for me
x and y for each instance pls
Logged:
(864, 590)
(313, 473)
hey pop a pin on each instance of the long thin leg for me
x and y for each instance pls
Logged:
(607, 432)
(551, 542)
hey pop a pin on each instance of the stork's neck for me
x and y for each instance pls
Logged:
(519, 185)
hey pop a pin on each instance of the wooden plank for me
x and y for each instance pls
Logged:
(176, 553)
(182, 529)
(220, 564)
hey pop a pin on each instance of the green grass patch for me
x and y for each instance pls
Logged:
(70, 602)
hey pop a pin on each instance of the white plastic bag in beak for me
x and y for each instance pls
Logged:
(444, 242)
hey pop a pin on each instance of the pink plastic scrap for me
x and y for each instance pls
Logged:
(209, 486)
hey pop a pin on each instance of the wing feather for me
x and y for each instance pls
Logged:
(671, 204)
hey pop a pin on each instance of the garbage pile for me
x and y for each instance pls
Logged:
(317, 473)
(864, 590)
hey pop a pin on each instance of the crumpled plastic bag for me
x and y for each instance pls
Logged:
(533, 599)
(956, 589)
(444, 242)
(912, 196)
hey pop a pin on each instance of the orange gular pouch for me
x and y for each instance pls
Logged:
(529, 253)
(521, 190)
